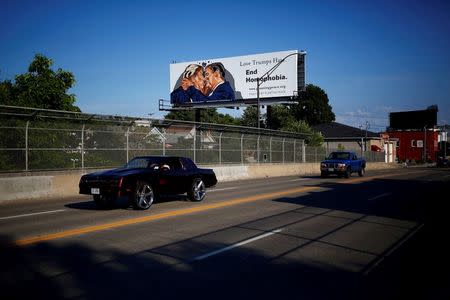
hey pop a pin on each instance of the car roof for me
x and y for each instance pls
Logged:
(157, 156)
(350, 152)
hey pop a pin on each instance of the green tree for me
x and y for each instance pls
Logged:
(249, 117)
(6, 92)
(40, 87)
(313, 138)
(282, 118)
(313, 106)
(207, 115)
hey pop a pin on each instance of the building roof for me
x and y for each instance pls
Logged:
(338, 130)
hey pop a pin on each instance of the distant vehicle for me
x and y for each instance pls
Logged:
(144, 178)
(342, 163)
(442, 162)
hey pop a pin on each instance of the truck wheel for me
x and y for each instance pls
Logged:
(143, 196)
(361, 172)
(348, 172)
(197, 191)
(104, 201)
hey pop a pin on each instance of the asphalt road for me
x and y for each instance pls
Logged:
(382, 236)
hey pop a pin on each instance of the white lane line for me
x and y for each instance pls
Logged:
(201, 257)
(393, 250)
(32, 214)
(223, 189)
(379, 196)
(299, 179)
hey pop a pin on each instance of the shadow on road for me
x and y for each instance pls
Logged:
(313, 262)
(122, 203)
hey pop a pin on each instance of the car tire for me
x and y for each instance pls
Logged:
(143, 196)
(323, 175)
(197, 190)
(362, 172)
(104, 201)
(348, 173)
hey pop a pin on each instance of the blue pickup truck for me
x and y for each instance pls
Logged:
(342, 163)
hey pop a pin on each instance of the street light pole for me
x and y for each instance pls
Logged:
(257, 97)
(259, 80)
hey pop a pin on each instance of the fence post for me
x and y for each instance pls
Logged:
(303, 151)
(242, 148)
(128, 143)
(270, 149)
(294, 150)
(82, 146)
(220, 148)
(283, 148)
(195, 141)
(26, 145)
(164, 145)
(257, 148)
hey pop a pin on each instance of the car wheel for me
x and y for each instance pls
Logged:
(197, 191)
(104, 201)
(323, 175)
(361, 172)
(348, 173)
(143, 196)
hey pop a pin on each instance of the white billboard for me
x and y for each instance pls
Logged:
(235, 78)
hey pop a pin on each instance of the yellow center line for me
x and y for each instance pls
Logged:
(180, 212)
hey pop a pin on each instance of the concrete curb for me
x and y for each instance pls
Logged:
(65, 183)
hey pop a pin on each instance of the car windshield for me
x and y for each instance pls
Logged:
(142, 162)
(339, 155)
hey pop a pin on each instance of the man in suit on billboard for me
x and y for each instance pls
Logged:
(216, 87)
(192, 77)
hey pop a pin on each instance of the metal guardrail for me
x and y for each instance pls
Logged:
(38, 139)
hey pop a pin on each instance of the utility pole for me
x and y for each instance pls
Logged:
(425, 144)
(365, 141)
(257, 98)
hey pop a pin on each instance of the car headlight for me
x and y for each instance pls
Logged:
(323, 165)
(341, 165)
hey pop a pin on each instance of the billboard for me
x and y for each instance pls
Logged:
(235, 78)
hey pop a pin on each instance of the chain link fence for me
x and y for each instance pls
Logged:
(34, 140)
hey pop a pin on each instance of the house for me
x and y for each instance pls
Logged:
(339, 136)
(187, 133)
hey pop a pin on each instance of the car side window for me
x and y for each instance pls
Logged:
(176, 165)
(188, 164)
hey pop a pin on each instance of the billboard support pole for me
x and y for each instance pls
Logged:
(269, 117)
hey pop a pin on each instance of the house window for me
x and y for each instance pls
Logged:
(413, 143)
(419, 144)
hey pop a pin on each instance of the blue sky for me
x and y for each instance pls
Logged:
(370, 57)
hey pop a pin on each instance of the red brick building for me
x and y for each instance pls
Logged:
(414, 145)
(416, 133)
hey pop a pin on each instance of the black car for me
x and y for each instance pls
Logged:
(443, 162)
(144, 178)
